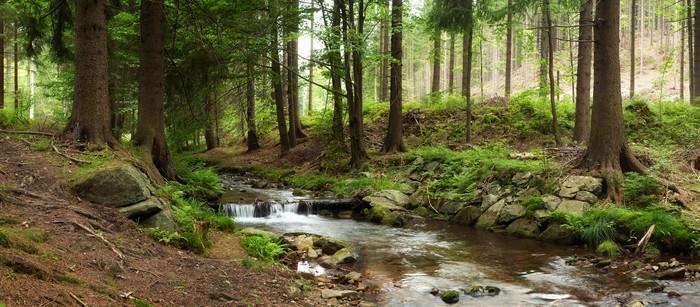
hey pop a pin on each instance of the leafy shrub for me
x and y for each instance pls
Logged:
(201, 181)
(640, 190)
(533, 204)
(262, 247)
(608, 248)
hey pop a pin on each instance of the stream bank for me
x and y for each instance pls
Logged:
(406, 264)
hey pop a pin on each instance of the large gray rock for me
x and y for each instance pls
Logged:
(490, 217)
(115, 186)
(143, 209)
(524, 227)
(330, 293)
(451, 207)
(587, 197)
(510, 213)
(573, 184)
(488, 201)
(551, 202)
(574, 207)
(163, 219)
(467, 216)
(344, 256)
(329, 245)
(388, 198)
(558, 233)
(521, 179)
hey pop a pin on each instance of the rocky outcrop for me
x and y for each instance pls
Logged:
(125, 187)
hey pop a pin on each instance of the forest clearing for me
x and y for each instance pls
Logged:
(349, 153)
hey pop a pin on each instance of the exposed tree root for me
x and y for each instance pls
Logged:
(107, 242)
(76, 160)
(27, 132)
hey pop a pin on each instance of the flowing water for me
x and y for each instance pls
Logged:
(406, 263)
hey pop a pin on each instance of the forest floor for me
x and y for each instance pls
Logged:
(60, 250)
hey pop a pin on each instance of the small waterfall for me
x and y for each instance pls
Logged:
(260, 209)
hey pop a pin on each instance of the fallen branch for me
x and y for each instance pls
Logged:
(27, 132)
(76, 160)
(645, 240)
(107, 242)
(430, 203)
(81, 303)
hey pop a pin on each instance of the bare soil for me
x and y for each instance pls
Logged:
(76, 267)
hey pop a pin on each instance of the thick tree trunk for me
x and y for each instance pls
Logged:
(633, 58)
(210, 129)
(252, 137)
(451, 68)
(357, 126)
(150, 131)
(310, 94)
(682, 64)
(437, 51)
(16, 60)
(544, 45)
(276, 79)
(696, 54)
(607, 151)
(550, 65)
(467, 68)
(90, 117)
(393, 141)
(582, 121)
(509, 46)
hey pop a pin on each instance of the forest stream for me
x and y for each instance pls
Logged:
(406, 263)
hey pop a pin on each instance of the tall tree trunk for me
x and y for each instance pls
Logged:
(310, 94)
(336, 62)
(608, 152)
(150, 131)
(252, 137)
(582, 121)
(550, 65)
(90, 117)
(451, 69)
(696, 55)
(544, 46)
(16, 60)
(2, 63)
(384, 70)
(295, 128)
(394, 134)
(210, 129)
(633, 59)
(357, 148)
(509, 46)
(276, 79)
(691, 45)
(437, 51)
(467, 55)
(682, 64)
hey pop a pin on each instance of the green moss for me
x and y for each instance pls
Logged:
(69, 279)
(450, 296)
(608, 248)
(421, 211)
(42, 144)
(533, 204)
(4, 239)
(253, 264)
(34, 235)
(6, 220)
(641, 191)
(141, 303)
(381, 214)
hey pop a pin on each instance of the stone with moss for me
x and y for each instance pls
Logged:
(558, 233)
(421, 211)
(250, 231)
(450, 296)
(330, 246)
(115, 186)
(392, 199)
(490, 217)
(573, 207)
(524, 227)
(510, 213)
(345, 255)
(608, 248)
(467, 216)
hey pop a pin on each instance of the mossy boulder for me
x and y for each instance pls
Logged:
(345, 255)
(115, 186)
(510, 213)
(573, 207)
(467, 216)
(143, 209)
(558, 233)
(330, 246)
(392, 199)
(249, 231)
(450, 296)
(524, 227)
(490, 217)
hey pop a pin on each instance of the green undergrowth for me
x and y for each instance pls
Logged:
(263, 248)
(200, 180)
(24, 240)
(458, 172)
(628, 225)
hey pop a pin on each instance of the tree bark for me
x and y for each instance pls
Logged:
(544, 45)
(336, 62)
(608, 152)
(90, 116)
(509, 46)
(633, 58)
(210, 129)
(696, 54)
(276, 79)
(2, 63)
(437, 51)
(691, 44)
(295, 128)
(393, 141)
(252, 137)
(150, 131)
(16, 60)
(384, 70)
(550, 65)
(451, 69)
(467, 55)
(310, 94)
(582, 120)
(682, 64)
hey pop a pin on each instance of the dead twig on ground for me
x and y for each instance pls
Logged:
(645, 240)
(81, 303)
(101, 237)
(27, 132)
(76, 160)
